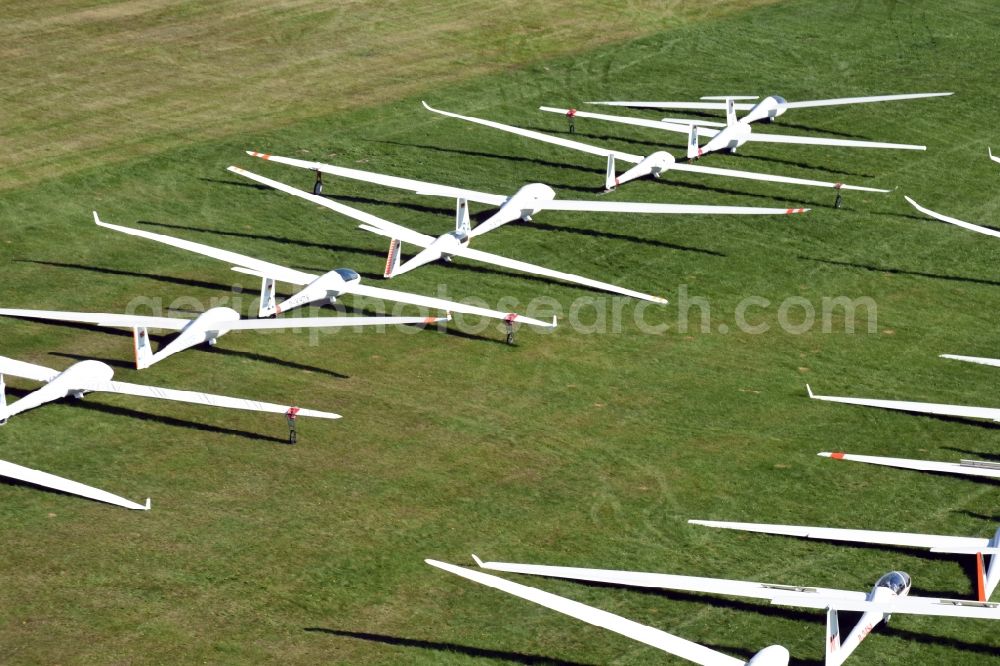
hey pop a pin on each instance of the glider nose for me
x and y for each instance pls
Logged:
(773, 655)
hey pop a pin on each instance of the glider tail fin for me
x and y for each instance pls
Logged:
(694, 152)
(143, 348)
(610, 181)
(268, 306)
(4, 412)
(730, 112)
(832, 637)
(991, 576)
(462, 224)
(392, 260)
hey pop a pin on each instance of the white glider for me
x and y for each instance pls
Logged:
(326, 287)
(446, 246)
(207, 327)
(46, 480)
(889, 595)
(527, 201)
(988, 413)
(734, 134)
(93, 376)
(768, 108)
(654, 164)
(774, 655)
(986, 231)
(980, 468)
(987, 577)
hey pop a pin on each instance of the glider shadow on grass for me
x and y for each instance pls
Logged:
(468, 650)
(900, 271)
(273, 239)
(475, 153)
(184, 282)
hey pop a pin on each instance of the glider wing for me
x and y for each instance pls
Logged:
(46, 480)
(256, 266)
(951, 220)
(408, 184)
(661, 640)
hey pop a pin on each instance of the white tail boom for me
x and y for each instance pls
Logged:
(143, 348)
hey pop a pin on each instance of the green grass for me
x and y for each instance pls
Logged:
(570, 448)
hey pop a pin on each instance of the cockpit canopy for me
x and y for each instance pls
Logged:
(347, 274)
(779, 99)
(897, 581)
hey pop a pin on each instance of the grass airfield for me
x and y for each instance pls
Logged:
(575, 448)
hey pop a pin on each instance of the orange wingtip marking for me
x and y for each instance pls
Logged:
(837, 456)
(795, 210)
(430, 320)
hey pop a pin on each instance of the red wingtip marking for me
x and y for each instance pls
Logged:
(837, 456)
(980, 580)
